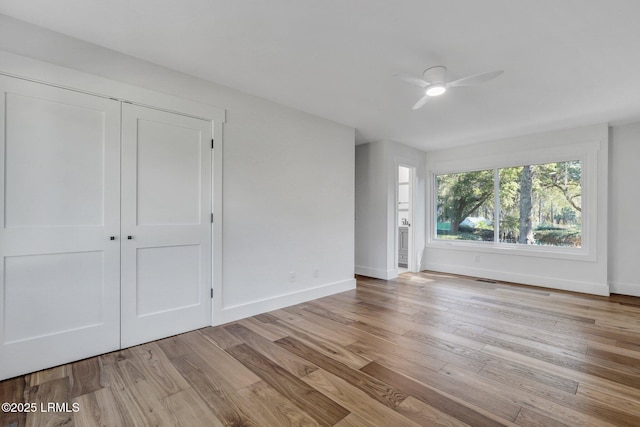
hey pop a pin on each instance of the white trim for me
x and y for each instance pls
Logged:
(624, 288)
(555, 252)
(24, 68)
(377, 273)
(46, 73)
(542, 155)
(216, 228)
(412, 265)
(229, 314)
(585, 152)
(526, 279)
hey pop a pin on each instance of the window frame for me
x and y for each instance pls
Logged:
(586, 153)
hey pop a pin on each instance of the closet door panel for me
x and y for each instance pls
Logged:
(169, 169)
(53, 184)
(59, 189)
(166, 205)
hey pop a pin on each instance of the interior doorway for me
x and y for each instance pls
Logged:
(404, 223)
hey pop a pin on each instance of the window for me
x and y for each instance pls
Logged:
(536, 204)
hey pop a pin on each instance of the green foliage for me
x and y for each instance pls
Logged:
(563, 178)
(547, 226)
(485, 234)
(558, 237)
(555, 201)
(462, 194)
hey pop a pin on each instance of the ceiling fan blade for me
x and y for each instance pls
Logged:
(475, 79)
(422, 101)
(411, 80)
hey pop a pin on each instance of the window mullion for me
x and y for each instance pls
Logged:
(496, 204)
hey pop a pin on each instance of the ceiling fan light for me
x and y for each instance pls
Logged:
(436, 90)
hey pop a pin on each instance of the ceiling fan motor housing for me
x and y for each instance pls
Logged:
(435, 75)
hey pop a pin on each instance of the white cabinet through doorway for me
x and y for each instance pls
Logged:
(105, 238)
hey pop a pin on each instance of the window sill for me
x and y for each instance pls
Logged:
(563, 253)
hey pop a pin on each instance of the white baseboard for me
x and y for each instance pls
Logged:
(377, 273)
(632, 289)
(237, 312)
(525, 279)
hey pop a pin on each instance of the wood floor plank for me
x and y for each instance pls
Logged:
(621, 374)
(46, 375)
(274, 408)
(287, 360)
(231, 369)
(174, 347)
(139, 405)
(86, 376)
(355, 400)
(55, 391)
(13, 391)
(318, 328)
(325, 345)
(431, 349)
(476, 393)
(158, 371)
(581, 377)
(396, 357)
(530, 418)
(448, 404)
(346, 333)
(187, 409)
(328, 314)
(265, 318)
(630, 358)
(565, 407)
(220, 396)
(325, 411)
(399, 343)
(547, 314)
(220, 336)
(115, 356)
(516, 370)
(425, 415)
(269, 331)
(358, 314)
(611, 399)
(355, 420)
(99, 408)
(376, 389)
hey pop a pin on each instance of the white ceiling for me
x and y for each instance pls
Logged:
(567, 63)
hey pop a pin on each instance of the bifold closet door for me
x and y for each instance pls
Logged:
(166, 226)
(59, 190)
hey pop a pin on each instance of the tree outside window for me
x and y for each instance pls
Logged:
(538, 205)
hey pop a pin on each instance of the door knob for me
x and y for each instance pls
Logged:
(129, 237)
(112, 238)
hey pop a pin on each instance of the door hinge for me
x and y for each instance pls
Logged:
(212, 143)
(211, 293)
(211, 218)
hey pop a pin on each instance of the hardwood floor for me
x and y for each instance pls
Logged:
(426, 349)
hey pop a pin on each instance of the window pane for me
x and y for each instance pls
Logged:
(403, 174)
(465, 206)
(541, 204)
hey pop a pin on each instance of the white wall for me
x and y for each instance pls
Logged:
(584, 273)
(288, 178)
(376, 224)
(624, 208)
(371, 211)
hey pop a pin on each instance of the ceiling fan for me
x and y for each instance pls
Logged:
(435, 82)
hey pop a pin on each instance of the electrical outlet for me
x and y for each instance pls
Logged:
(477, 258)
(292, 276)
(316, 272)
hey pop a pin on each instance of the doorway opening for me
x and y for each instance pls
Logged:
(404, 215)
